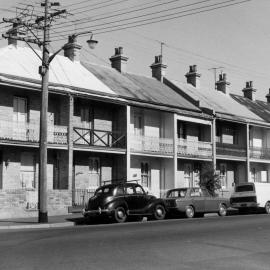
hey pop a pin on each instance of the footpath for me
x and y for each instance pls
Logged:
(32, 222)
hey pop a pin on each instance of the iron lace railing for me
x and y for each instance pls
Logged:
(144, 144)
(230, 150)
(193, 148)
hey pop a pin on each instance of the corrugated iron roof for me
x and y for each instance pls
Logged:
(224, 105)
(139, 88)
(260, 108)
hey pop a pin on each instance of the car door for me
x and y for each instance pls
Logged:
(211, 202)
(141, 199)
(197, 200)
(130, 198)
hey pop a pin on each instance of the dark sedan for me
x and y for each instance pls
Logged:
(121, 202)
(195, 202)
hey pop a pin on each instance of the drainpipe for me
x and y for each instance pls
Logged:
(248, 155)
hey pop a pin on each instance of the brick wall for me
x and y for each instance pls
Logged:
(17, 203)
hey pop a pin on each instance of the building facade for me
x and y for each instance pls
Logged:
(106, 125)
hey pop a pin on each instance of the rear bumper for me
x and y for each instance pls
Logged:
(245, 205)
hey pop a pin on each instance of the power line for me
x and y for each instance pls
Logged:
(85, 20)
(157, 20)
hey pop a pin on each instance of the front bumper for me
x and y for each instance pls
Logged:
(98, 212)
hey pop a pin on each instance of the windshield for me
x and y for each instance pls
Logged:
(104, 190)
(244, 188)
(180, 193)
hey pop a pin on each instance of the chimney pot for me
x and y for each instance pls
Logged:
(119, 61)
(249, 91)
(222, 85)
(158, 68)
(193, 77)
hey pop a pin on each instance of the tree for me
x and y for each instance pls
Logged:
(210, 180)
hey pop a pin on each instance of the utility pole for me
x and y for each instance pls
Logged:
(215, 73)
(44, 72)
(41, 23)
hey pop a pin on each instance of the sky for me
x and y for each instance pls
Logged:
(236, 38)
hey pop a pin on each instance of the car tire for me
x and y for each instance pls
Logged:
(159, 212)
(267, 208)
(190, 212)
(222, 210)
(120, 215)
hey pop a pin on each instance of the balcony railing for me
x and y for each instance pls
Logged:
(153, 145)
(191, 148)
(29, 132)
(259, 153)
(103, 138)
(224, 149)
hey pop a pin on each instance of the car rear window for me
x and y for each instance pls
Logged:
(244, 188)
(180, 193)
(104, 190)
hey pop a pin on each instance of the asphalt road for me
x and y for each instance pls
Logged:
(234, 242)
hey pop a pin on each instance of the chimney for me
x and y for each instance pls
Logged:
(119, 61)
(193, 76)
(268, 97)
(158, 68)
(249, 91)
(72, 49)
(14, 31)
(222, 84)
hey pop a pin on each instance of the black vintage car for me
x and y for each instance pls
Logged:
(126, 201)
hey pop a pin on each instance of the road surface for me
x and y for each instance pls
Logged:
(234, 242)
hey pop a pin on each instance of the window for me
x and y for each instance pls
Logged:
(19, 109)
(180, 193)
(139, 190)
(195, 192)
(253, 175)
(223, 175)
(181, 130)
(129, 190)
(187, 175)
(56, 172)
(119, 191)
(145, 175)
(138, 124)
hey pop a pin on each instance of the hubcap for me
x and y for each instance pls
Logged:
(159, 212)
(222, 210)
(190, 212)
(120, 214)
(267, 207)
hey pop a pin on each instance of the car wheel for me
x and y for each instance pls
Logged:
(159, 212)
(190, 213)
(222, 210)
(120, 214)
(267, 208)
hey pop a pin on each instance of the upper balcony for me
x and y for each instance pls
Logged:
(151, 145)
(86, 137)
(231, 150)
(194, 149)
(23, 132)
(259, 152)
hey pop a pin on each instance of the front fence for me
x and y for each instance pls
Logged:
(81, 196)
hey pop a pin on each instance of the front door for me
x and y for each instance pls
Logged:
(94, 173)
(27, 170)
(19, 118)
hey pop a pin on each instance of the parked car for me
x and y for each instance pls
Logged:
(250, 196)
(124, 201)
(195, 202)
